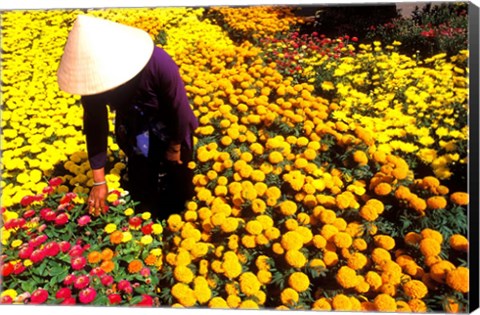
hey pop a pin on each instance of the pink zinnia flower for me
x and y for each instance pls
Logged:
(78, 262)
(87, 295)
(84, 220)
(106, 280)
(61, 219)
(69, 301)
(76, 251)
(63, 293)
(97, 271)
(124, 285)
(48, 190)
(81, 282)
(145, 272)
(39, 296)
(69, 279)
(52, 249)
(37, 255)
(50, 216)
(6, 300)
(114, 298)
(64, 246)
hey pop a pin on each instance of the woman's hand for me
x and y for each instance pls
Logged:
(173, 153)
(96, 200)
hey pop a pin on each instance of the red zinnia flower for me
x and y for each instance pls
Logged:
(39, 296)
(27, 200)
(54, 182)
(124, 285)
(87, 295)
(97, 271)
(135, 221)
(106, 280)
(114, 298)
(147, 229)
(78, 262)
(63, 293)
(7, 269)
(49, 215)
(61, 219)
(76, 251)
(48, 190)
(18, 268)
(25, 252)
(147, 300)
(69, 301)
(28, 214)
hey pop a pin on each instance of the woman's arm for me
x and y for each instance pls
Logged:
(95, 122)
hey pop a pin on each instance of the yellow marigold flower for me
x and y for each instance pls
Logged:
(347, 277)
(291, 224)
(341, 302)
(357, 261)
(288, 208)
(232, 268)
(254, 227)
(330, 258)
(439, 270)
(327, 216)
(217, 302)
(183, 274)
(110, 227)
(295, 258)
(403, 306)
(249, 241)
(384, 241)
(9, 292)
(385, 303)
(430, 247)
(292, 240)
(275, 157)
(264, 276)
(458, 279)
(459, 242)
(374, 280)
(415, 289)
(321, 304)
(249, 284)
(289, 297)
(299, 281)
(328, 231)
(175, 222)
(157, 228)
(129, 212)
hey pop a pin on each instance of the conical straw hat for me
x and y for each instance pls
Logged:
(100, 55)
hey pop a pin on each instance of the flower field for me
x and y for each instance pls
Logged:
(330, 174)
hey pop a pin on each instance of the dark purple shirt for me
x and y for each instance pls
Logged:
(158, 89)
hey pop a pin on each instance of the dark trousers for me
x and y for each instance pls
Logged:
(161, 187)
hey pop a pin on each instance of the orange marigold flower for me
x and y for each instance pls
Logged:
(412, 238)
(288, 207)
(107, 254)
(295, 258)
(417, 306)
(415, 289)
(289, 296)
(383, 189)
(135, 266)
(357, 261)
(385, 303)
(360, 157)
(380, 256)
(459, 198)
(116, 237)
(368, 213)
(384, 241)
(107, 266)
(374, 280)
(94, 257)
(418, 204)
(459, 242)
(402, 193)
(360, 244)
(322, 304)
(431, 233)
(439, 270)
(299, 281)
(430, 247)
(436, 202)
(341, 302)
(150, 260)
(342, 240)
(458, 279)
(330, 258)
(347, 277)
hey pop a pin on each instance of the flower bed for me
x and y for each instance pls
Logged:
(323, 189)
